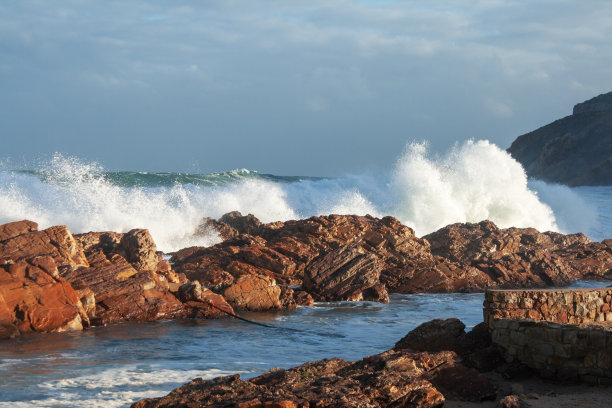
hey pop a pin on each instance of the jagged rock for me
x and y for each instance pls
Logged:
(575, 150)
(516, 257)
(284, 250)
(247, 224)
(124, 294)
(475, 347)
(190, 291)
(56, 242)
(513, 401)
(457, 258)
(345, 274)
(34, 298)
(15, 229)
(140, 250)
(395, 378)
(209, 225)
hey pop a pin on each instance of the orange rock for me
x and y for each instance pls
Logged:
(254, 293)
(33, 297)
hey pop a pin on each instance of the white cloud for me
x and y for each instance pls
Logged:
(389, 68)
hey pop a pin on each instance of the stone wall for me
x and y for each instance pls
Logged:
(563, 334)
(556, 305)
(562, 351)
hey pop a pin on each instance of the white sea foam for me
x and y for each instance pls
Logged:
(115, 387)
(472, 182)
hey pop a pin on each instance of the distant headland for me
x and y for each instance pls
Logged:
(575, 150)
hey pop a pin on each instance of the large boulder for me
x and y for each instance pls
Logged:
(256, 293)
(34, 298)
(33, 295)
(23, 240)
(347, 273)
(52, 281)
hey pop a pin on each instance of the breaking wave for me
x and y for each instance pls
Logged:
(472, 182)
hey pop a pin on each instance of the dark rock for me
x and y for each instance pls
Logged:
(475, 347)
(390, 379)
(575, 150)
(210, 225)
(190, 291)
(247, 224)
(436, 335)
(464, 383)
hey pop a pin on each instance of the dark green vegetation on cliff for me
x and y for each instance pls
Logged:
(575, 150)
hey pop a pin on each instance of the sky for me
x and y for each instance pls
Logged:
(317, 88)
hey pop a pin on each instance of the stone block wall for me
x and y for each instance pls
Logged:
(564, 334)
(562, 351)
(574, 306)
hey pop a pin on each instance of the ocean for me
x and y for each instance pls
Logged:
(116, 365)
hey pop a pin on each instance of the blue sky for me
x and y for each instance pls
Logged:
(288, 87)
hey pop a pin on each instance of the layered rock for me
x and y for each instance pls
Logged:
(519, 257)
(33, 295)
(51, 280)
(575, 150)
(362, 258)
(335, 257)
(346, 273)
(395, 378)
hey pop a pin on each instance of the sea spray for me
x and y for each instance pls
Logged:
(474, 181)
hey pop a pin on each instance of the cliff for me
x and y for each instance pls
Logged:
(575, 150)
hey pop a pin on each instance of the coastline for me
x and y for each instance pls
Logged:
(114, 275)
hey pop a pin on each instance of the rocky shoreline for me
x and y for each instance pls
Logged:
(436, 360)
(52, 280)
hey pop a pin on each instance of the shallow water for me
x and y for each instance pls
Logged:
(116, 365)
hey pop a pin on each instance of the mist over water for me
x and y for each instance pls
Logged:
(472, 182)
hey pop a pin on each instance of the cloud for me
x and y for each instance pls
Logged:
(263, 84)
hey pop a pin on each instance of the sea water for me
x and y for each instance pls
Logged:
(472, 182)
(119, 364)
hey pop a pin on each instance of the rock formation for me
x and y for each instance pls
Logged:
(396, 378)
(51, 280)
(575, 150)
(33, 295)
(349, 257)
